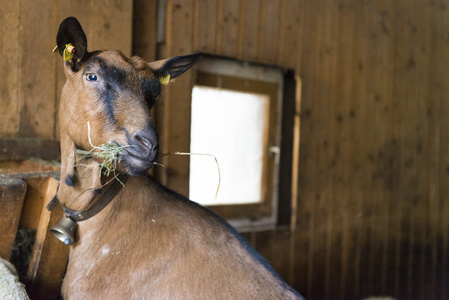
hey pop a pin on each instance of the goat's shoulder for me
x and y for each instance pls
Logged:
(214, 237)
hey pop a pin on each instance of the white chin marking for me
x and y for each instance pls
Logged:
(105, 250)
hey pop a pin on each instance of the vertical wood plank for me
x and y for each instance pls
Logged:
(9, 70)
(144, 29)
(110, 25)
(341, 194)
(383, 53)
(370, 247)
(412, 155)
(298, 251)
(364, 212)
(309, 231)
(433, 160)
(12, 191)
(49, 256)
(229, 27)
(176, 135)
(270, 32)
(378, 151)
(423, 131)
(357, 115)
(442, 58)
(37, 65)
(248, 43)
(34, 201)
(205, 26)
(299, 245)
(404, 65)
(443, 174)
(288, 41)
(396, 179)
(333, 163)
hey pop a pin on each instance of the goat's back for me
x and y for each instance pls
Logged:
(152, 243)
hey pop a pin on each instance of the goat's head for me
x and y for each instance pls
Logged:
(114, 95)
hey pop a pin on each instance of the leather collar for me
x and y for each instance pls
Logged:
(100, 201)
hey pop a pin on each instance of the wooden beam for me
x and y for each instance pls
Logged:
(144, 29)
(175, 135)
(49, 257)
(12, 191)
(21, 149)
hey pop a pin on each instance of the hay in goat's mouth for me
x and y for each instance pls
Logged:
(107, 153)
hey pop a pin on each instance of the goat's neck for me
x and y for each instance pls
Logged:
(81, 180)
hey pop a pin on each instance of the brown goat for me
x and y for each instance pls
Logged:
(148, 242)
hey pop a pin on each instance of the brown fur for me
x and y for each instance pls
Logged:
(149, 242)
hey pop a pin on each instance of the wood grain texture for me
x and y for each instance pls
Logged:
(37, 65)
(385, 216)
(289, 30)
(175, 130)
(205, 25)
(229, 27)
(22, 149)
(249, 35)
(12, 191)
(9, 66)
(110, 25)
(49, 256)
(144, 29)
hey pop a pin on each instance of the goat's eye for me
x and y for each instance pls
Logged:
(91, 77)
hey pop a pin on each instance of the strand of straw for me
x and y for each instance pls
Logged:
(200, 154)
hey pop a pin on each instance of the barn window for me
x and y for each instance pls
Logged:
(236, 116)
(231, 125)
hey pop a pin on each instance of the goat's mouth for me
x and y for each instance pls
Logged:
(135, 161)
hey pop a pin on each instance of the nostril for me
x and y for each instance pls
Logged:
(146, 140)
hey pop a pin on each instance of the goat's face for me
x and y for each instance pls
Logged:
(107, 98)
(114, 95)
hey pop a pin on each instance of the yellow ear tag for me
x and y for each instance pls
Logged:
(164, 79)
(69, 52)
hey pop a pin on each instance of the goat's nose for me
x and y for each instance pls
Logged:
(147, 141)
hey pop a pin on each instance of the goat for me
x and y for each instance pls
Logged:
(148, 242)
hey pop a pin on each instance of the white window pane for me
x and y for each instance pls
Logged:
(231, 126)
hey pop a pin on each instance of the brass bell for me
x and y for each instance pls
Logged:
(64, 230)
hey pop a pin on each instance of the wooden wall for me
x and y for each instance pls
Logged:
(372, 207)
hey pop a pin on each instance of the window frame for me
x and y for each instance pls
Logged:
(244, 77)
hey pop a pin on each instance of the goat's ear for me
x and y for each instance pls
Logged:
(70, 35)
(173, 67)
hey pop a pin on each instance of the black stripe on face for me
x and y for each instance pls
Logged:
(111, 84)
(108, 96)
(151, 90)
(114, 82)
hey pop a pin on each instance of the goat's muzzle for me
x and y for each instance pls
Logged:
(140, 154)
